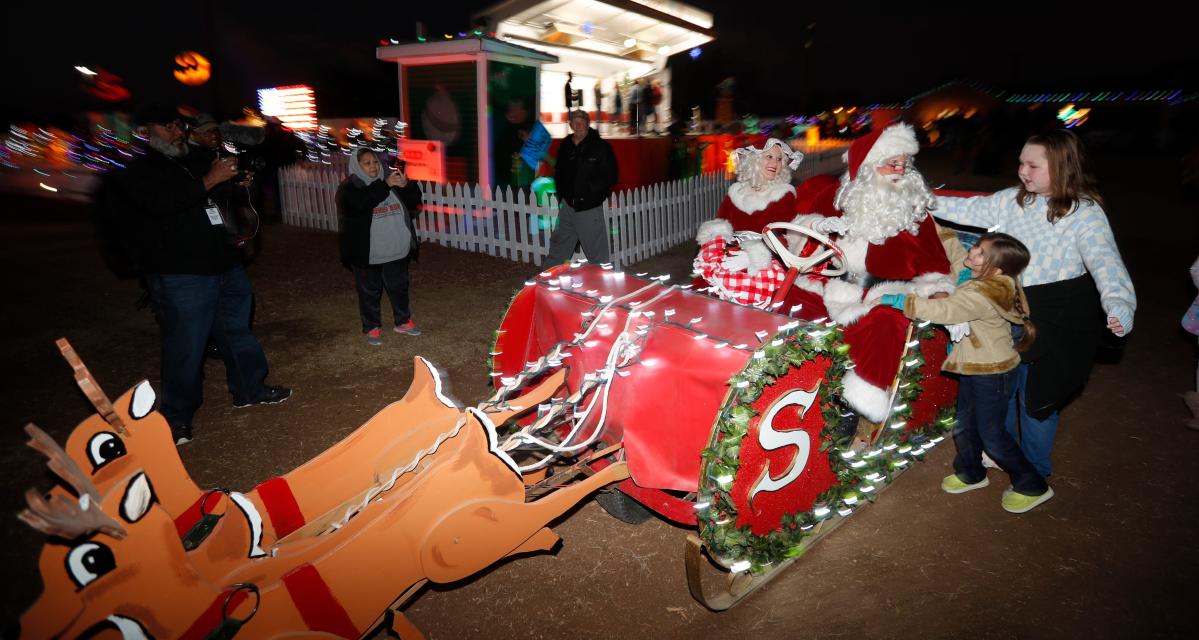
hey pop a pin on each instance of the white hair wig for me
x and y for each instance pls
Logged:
(877, 207)
(748, 163)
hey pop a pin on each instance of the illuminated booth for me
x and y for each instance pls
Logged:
(609, 43)
(481, 94)
(473, 95)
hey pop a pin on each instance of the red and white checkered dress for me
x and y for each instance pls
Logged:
(736, 286)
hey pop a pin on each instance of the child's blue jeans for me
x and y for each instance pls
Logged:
(981, 412)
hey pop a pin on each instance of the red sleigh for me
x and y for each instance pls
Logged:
(729, 415)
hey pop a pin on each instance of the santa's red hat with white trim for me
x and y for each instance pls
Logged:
(872, 149)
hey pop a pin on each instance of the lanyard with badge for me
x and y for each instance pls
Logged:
(214, 213)
(211, 209)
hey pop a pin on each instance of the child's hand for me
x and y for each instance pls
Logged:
(1114, 325)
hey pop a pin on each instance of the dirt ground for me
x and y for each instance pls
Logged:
(1112, 556)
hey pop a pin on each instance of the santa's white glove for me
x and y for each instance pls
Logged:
(958, 331)
(736, 262)
(830, 225)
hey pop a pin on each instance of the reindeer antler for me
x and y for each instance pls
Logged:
(62, 516)
(67, 518)
(60, 463)
(90, 387)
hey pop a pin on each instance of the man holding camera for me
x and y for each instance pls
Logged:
(193, 269)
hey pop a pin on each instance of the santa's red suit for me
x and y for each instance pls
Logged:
(904, 256)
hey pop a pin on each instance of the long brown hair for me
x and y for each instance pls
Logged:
(1069, 180)
(1009, 255)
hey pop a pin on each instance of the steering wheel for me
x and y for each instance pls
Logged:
(831, 253)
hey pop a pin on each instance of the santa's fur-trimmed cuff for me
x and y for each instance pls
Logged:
(866, 399)
(844, 301)
(926, 284)
(922, 286)
(713, 229)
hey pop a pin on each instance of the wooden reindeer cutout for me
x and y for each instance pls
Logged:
(430, 496)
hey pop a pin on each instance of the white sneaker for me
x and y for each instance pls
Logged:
(988, 463)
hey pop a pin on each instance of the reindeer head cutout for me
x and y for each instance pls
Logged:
(100, 544)
(124, 436)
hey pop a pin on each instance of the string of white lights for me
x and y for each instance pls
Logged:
(382, 487)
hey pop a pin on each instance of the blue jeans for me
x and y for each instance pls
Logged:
(982, 405)
(1035, 436)
(190, 308)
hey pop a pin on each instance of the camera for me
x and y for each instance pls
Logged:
(244, 143)
(249, 160)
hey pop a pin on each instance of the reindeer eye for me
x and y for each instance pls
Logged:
(104, 447)
(89, 561)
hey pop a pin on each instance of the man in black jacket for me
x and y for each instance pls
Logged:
(193, 270)
(584, 176)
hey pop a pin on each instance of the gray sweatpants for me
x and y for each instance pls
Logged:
(585, 227)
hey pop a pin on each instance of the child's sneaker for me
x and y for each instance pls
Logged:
(1019, 503)
(954, 484)
(408, 328)
(374, 337)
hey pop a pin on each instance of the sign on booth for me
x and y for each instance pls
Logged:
(425, 158)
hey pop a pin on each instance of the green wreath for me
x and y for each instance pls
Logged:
(860, 476)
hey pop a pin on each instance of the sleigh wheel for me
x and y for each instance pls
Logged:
(622, 507)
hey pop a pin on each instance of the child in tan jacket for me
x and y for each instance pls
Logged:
(986, 359)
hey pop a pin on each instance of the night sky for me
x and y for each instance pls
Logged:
(874, 52)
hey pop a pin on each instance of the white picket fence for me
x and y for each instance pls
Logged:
(642, 222)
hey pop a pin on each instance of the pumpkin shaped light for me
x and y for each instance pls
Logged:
(192, 69)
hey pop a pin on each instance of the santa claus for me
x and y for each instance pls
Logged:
(879, 213)
(741, 269)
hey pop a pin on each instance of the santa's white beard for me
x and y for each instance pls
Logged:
(877, 207)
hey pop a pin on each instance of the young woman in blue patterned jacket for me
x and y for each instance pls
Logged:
(1058, 214)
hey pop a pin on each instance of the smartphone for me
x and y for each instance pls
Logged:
(400, 165)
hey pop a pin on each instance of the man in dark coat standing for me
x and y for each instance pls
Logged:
(193, 269)
(584, 176)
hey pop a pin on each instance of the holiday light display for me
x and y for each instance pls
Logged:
(293, 105)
